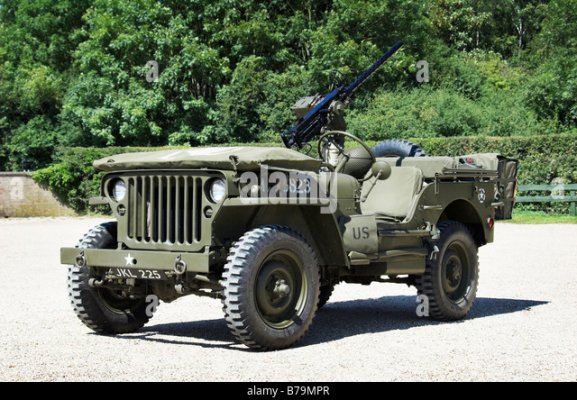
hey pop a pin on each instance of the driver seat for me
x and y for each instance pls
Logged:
(392, 197)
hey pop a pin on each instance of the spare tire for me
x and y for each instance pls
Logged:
(398, 148)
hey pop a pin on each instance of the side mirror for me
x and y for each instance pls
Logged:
(381, 170)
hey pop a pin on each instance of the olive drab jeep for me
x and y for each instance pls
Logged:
(271, 231)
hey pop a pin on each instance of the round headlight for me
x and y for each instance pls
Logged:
(217, 190)
(119, 190)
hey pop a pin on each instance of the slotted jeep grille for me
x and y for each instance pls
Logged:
(163, 211)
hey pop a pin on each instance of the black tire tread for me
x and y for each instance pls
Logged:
(325, 294)
(425, 283)
(398, 147)
(82, 297)
(234, 314)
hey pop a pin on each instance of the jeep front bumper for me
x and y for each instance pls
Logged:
(137, 259)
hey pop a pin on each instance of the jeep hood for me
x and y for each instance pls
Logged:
(245, 159)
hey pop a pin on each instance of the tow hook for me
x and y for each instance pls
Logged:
(80, 260)
(434, 253)
(179, 266)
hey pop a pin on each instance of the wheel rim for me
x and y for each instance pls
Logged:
(281, 290)
(456, 273)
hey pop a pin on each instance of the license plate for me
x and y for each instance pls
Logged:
(130, 273)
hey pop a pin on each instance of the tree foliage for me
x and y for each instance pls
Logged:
(74, 72)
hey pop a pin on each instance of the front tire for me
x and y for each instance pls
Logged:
(325, 294)
(451, 280)
(101, 309)
(271, 288)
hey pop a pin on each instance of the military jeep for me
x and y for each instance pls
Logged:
(271, 231)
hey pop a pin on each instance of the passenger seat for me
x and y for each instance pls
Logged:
(392, 197)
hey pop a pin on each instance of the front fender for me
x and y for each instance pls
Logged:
(319, 228)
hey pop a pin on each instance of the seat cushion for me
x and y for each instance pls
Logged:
(428, 165)
(393, 196)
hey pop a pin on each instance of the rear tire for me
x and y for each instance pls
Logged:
(451, 280)
(398, 148)
(101, 309)
(271, 288)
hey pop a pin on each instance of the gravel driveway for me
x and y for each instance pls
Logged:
(523, 326)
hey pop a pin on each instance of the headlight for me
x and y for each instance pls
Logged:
(217, 190)
(119, 190)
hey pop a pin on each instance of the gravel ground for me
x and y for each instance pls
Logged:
(523, 326)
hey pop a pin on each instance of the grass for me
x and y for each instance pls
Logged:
(541, 217)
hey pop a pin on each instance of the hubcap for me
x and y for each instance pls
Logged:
(281, 290)
(455, 273)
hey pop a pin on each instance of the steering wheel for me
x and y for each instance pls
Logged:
(329, 137)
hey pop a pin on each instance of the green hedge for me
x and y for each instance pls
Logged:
(542, 159)
(72, 178)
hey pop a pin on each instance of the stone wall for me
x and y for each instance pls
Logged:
(20, 196)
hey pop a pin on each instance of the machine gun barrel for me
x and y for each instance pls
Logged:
(313, 122)
(349, 90)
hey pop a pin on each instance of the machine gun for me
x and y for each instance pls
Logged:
(314, 112)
